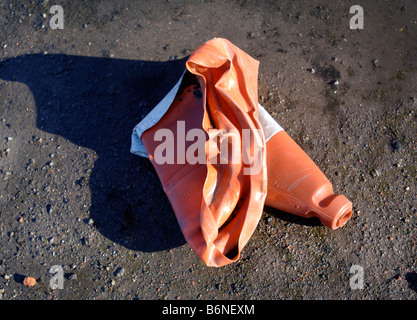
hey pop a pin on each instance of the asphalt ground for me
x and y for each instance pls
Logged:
(74, 199)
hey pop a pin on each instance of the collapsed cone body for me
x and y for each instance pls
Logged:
(217, 206)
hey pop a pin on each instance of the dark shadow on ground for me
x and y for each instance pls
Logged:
(411, 278)
(291, 218)
(19, 278)
(95, 103)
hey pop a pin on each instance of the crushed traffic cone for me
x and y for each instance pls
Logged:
(193, 138)
(295, 183)
(218, 205)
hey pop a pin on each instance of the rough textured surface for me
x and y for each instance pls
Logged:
(73, 196)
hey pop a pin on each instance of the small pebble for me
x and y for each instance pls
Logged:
(251, 35)
(119, 272)
(375, 173)
(395, 144)
(72, 276)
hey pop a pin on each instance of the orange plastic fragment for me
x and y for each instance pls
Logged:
(29, 281)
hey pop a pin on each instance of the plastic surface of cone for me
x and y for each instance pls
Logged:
(216, 204)
(218, 207)
(295, 183)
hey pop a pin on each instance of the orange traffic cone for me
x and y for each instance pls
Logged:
(218, 203)
(295, 183)
(194, 140)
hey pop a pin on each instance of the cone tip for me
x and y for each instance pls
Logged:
(345, 216)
